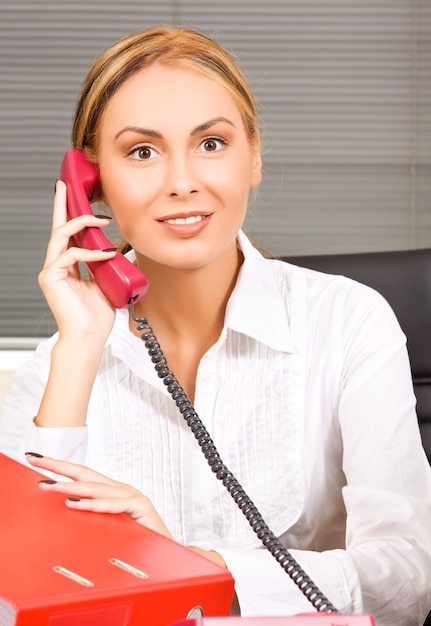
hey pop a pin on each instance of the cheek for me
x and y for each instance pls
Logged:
(235, 183)
(122, 210)
(125, 196)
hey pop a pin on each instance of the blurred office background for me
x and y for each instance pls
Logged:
(344, 89)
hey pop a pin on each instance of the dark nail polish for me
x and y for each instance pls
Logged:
(109, 250)
(36, 454)
(47, 481)
(74, 499)
(103, 217)
(55, 186)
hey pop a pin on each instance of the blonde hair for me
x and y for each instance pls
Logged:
(179, 47)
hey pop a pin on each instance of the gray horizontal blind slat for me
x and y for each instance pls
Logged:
(345, 98)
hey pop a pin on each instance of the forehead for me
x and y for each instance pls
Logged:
(161, 94)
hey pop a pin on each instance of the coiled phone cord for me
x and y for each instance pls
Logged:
(245, 504)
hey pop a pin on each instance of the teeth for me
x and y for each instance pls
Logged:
(186, 220)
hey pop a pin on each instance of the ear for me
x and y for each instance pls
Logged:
(256, 163)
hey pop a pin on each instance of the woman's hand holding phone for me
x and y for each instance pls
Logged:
(84, 318)
(78, 305)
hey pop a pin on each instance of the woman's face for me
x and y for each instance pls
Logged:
(176, 166)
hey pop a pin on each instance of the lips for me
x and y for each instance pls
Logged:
(185, 225)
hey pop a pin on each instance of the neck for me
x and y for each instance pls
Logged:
(190, 300)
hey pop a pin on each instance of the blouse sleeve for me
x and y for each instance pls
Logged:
(385, 566)
(18, 434)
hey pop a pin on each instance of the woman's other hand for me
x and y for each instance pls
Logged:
(91, 491)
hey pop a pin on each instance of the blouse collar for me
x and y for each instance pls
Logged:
(257, 306)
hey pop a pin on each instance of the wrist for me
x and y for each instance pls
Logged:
(70, 382)
(77, 344)
(212, 555)
(79, 358)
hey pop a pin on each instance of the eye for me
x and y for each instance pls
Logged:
(142, 153)
(212, 144)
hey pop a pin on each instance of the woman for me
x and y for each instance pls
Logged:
(302, 379)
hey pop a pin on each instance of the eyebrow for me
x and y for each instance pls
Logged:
(210, 123)
(148, 132)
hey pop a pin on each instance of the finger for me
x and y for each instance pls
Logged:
(74, 255)
(62, 235)
(59, 215)
(66, 268)
(103, 495)
(126, 506)
(103, 487)
(66, 468)
(138, 508)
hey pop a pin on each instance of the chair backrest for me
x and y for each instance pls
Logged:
(404, 279)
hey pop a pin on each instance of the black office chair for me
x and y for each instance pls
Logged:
(404, 279)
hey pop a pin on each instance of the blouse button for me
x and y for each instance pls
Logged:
(200, 508)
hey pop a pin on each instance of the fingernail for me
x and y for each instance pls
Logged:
(47, 481)
(36, 454)
(109, 250)
(74, 499)
(55, 186)
(103, 217)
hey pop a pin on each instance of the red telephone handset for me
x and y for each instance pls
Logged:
(120, 280)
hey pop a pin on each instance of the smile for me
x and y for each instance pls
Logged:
(192, 219)
(185, 226)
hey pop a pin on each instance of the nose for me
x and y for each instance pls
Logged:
(181, 176)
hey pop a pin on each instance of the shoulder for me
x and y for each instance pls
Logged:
(290, 278)
(291, 308)
(347, 313)
(321, 289)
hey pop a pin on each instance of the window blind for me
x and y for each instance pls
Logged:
(344, 90)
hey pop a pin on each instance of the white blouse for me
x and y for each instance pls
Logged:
(307, 395)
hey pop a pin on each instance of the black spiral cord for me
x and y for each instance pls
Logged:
(245, 504)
